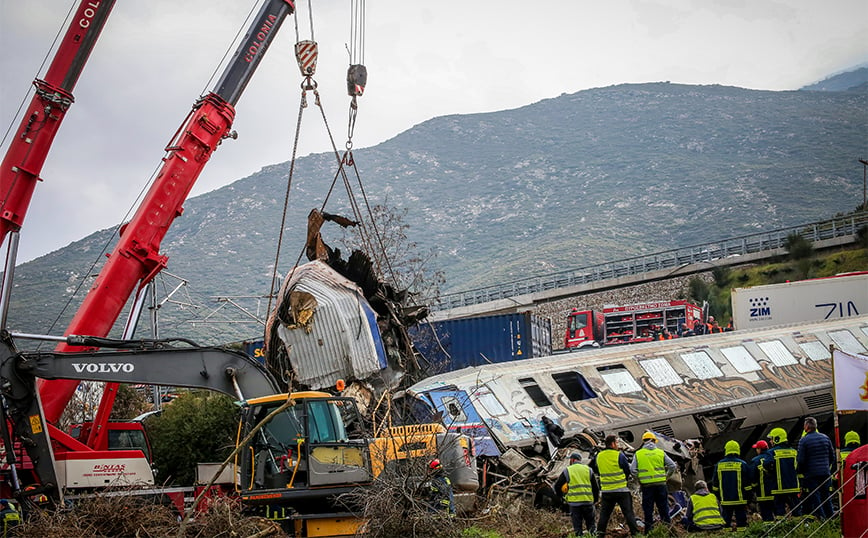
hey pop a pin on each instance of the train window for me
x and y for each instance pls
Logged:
(661, 372)
(536, 394)
(740, 359)
(490, 402)
(619, 379)
(453, 407)
(846, 341)
(701, 365)
(815, 350)
(778, 353)
(575, 386)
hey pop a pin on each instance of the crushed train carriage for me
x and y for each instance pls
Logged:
(711, 388)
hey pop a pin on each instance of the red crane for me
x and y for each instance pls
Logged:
(29, 148)
(136, 258)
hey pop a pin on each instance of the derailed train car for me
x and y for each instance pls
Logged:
(712, 388)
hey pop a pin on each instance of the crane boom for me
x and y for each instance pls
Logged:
(136, 258)
(29, 147)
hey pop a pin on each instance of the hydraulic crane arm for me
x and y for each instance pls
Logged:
(29, 147)
(136, 258)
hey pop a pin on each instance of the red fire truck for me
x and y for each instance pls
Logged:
(629, 324)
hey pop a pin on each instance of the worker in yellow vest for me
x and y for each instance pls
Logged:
(614, 470)
(651, 465)
(577, 486)
(9, 515)
(703, 511)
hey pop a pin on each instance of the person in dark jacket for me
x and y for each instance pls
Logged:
(440, 494)
(577, 486)
(762, 468)
(553, 431)
(731, 483)
(786, 490)
(814, 462)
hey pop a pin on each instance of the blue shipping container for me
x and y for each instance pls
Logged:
(255, 348)
(458, 343)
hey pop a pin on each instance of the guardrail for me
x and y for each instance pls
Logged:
(705, 252)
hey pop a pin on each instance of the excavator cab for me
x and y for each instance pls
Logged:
(318, 442)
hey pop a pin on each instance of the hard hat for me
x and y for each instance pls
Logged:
(435, 464)
(565, 488)
(731, 448)
(761, 444)
(778, 435)
(649, 436)
(575, 456)
(852, 438)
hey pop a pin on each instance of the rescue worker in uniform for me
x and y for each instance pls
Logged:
(852, 441)
(440, 495)
(732, 481)
(651, 465)
(703, 512)
(9, 515)
(786, 489)
(763, 479)
(577, 486)
(815, 461)
(613, 470)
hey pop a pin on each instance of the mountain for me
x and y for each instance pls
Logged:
(855, 80)
(581, 178)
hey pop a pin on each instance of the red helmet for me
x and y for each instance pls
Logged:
(435, 464)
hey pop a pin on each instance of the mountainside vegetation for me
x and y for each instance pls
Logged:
(582, 178)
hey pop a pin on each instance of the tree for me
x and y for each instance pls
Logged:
(798, 247)
(862, 236)
(398, 259)
(197, 427)
(129, 403)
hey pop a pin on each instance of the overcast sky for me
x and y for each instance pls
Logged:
(424, 59)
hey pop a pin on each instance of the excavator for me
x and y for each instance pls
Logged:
(292, 469)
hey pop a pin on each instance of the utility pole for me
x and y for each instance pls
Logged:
(864, 184)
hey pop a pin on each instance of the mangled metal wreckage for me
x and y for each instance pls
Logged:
(335, 320)
(526, 416)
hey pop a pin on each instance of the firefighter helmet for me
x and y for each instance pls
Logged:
(778, 435)
(435, 465)
(732, 448)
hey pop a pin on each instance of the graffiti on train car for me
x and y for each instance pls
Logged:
(692, 393)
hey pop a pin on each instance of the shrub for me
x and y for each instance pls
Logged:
(177, 439)
(798, 247)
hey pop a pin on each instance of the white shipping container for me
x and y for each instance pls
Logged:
(817, 299)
